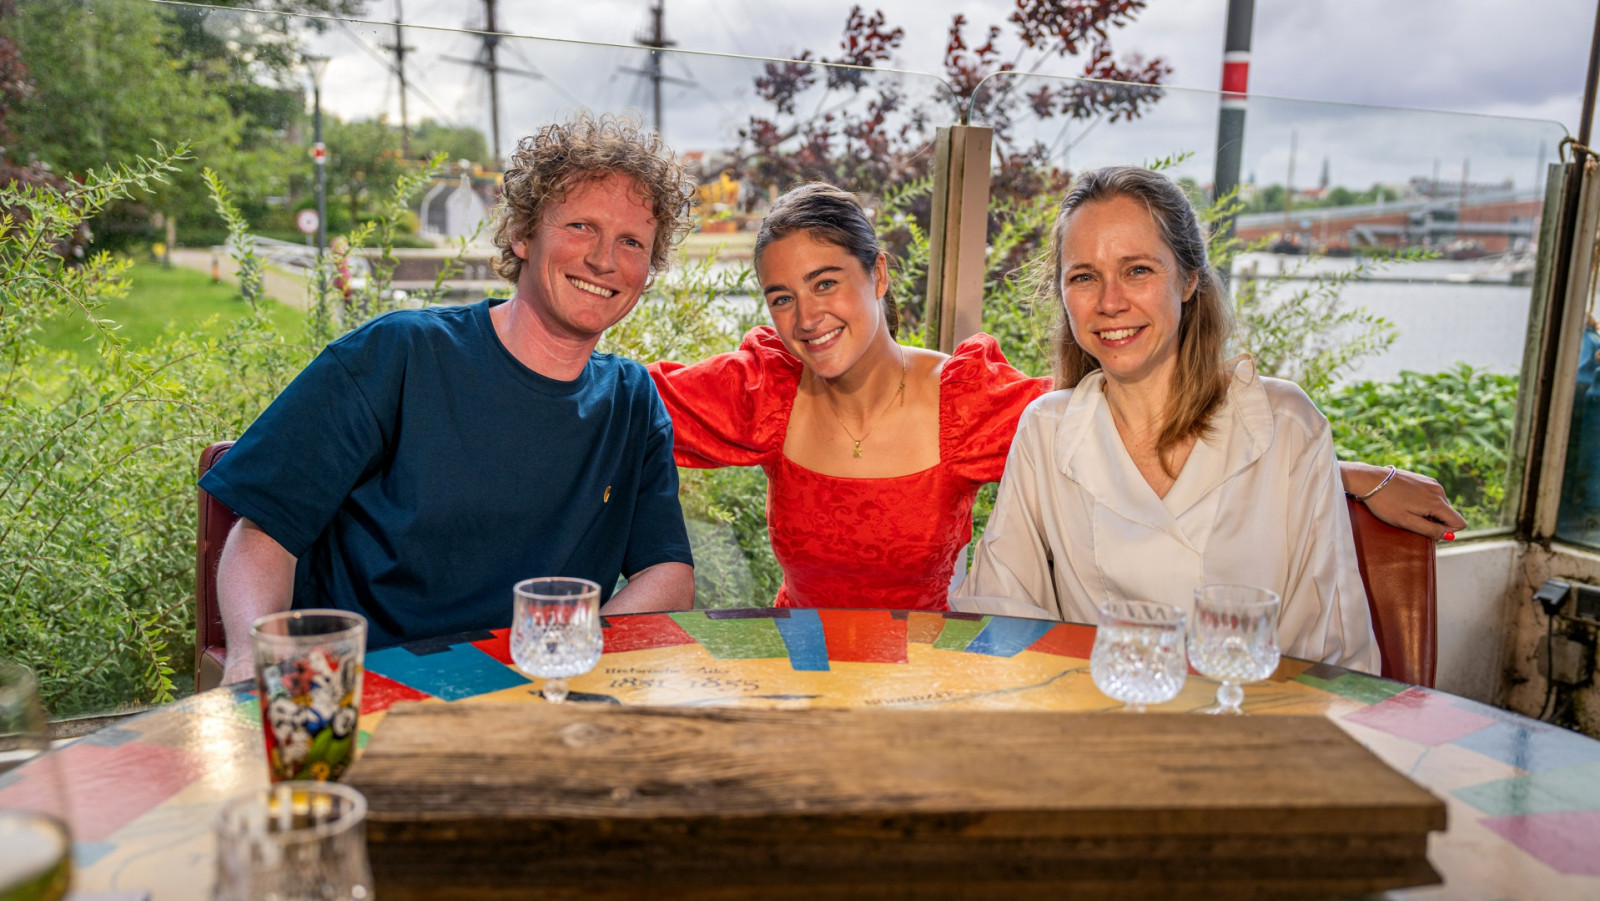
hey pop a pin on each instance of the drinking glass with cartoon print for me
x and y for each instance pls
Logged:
(308, 678)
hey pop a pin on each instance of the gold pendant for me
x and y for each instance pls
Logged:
(858, 450)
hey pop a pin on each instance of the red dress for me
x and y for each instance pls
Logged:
(843, 542)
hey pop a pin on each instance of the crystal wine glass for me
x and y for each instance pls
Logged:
(555, 630)
(1233, 637)
(1138, 653)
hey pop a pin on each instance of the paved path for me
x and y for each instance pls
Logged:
(286, 286)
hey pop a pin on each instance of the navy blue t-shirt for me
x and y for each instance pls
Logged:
(418, 470)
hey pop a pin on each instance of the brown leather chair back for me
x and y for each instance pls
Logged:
(1397, 569)
(215, 521)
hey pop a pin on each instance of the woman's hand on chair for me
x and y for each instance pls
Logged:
(1413, 502)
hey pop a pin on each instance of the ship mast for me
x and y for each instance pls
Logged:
(399, 49)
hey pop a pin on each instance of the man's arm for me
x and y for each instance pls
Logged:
(255, 577)
(665, 586)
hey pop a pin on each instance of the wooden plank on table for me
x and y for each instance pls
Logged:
(480, 798)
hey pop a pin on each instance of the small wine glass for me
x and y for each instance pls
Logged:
(1138, 653)
(555, 630)
(1233, 637)
(35, 842)
(301, 840)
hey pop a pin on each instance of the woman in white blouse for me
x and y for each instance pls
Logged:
(1162, 467)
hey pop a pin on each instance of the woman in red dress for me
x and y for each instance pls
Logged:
(874, 451)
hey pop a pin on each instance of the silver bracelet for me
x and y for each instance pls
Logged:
(1363, 498)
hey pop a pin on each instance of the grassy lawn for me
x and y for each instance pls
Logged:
(162, 300)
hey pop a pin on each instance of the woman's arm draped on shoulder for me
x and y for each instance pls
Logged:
(1410, 501)
(1013, 557)
(982, 396)
(731, 409)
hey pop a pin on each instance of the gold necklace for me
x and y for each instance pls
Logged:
(899, 393)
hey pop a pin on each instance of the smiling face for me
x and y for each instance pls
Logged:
(827, 307)
(587, 261)
(1123, 289)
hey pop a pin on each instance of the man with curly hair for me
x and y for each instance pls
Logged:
(428, 460)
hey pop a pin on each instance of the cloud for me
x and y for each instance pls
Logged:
(1492, 57)
(1461, 55)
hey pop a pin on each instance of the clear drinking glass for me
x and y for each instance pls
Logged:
(297, 840)
(555, 630)
(35, 843)
(308, 677)
(1233, 637)
(1138, 653)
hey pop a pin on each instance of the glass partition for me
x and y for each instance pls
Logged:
(1383, 261)
(1384, 257)
(100, 515)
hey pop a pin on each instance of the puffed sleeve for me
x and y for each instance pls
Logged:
(981, 396)
(731, 409)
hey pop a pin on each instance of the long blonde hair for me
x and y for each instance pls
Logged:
(1199, 384)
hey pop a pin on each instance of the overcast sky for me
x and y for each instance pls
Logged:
(1507, 58)
(1500, 57)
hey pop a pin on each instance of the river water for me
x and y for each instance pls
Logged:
(1441, 322)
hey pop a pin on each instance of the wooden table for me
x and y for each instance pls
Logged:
(1523, 797)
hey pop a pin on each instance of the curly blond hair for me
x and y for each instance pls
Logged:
(550, 162)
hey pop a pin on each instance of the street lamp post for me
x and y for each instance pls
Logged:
(318, 65)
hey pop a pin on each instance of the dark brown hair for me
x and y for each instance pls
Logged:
(828, 214)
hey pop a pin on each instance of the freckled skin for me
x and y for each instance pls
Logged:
(600, 234)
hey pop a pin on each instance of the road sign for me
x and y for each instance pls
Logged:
(319, 152)
(306, 220)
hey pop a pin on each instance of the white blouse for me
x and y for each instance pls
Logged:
(1258, 502)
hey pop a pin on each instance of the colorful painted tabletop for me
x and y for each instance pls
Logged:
(1523, 796)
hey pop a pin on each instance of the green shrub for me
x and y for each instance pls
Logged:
(96, 509)
(98, 450)
(1454, 426)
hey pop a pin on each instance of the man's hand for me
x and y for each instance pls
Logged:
(665, 586)
(255, 577)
